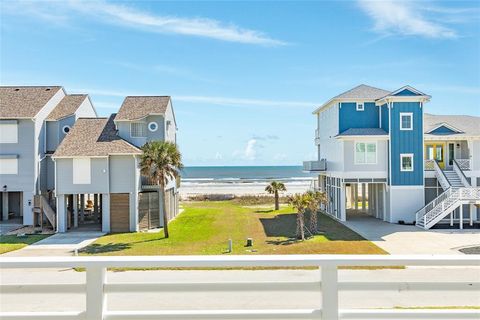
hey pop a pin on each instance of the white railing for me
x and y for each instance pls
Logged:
(420, 214)
(97, 287)
(458, 170)
(317, 165)
(429, 165)
(442, 179)
(464, 164)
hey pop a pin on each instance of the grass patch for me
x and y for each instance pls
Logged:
(205, 227)
(12, 242)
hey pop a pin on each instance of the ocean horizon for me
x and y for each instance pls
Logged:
(244, 174)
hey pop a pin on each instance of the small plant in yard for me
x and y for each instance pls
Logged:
(309, 201)
(161, 162)
(273, 188)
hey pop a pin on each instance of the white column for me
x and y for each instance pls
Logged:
(4, 206)
(352, 196)
(61, 213)
(329, 292)
(343, 203)
(472, 213)
(451, 218)
(461, 216)
(75, 211)
(95, 296)
(355, 186)
(105, 212)
(377, 211)
(363, 196)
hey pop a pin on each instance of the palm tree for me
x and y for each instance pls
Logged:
(301, 203)
(315, 199)
(273, 188)
(161, 162)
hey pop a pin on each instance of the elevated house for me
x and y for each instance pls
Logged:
(380, 155)
(99, 160)
(33, 122)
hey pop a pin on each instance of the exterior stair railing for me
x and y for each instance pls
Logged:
(449, 200)
(42, 205)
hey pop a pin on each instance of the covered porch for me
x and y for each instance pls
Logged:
(80, 212)
(365, 199)
(446, 150)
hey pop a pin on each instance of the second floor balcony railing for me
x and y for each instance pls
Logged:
(464, 164)
(317, 165)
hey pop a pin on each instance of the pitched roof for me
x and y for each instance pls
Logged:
(24, 101)
(363, 132)
(363, 92)
(67, 106)
(468, 125)
(138, 107)
(94, 137)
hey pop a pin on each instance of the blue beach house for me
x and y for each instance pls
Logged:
(381, 155)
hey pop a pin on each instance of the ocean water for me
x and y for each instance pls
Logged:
(244, 174)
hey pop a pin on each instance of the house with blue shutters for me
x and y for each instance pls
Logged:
(381, 155)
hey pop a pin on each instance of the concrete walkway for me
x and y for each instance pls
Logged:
(59, 244)
(7, 226)
(407, 239)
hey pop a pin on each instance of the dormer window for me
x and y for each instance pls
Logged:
(138, 130)
(406, 121)
(360, 106)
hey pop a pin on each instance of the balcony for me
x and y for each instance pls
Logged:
(317, 165)
(464, 164)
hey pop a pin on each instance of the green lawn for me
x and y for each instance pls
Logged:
(12, 242)
(205, 227)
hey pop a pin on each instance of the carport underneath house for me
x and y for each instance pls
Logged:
(354, 197)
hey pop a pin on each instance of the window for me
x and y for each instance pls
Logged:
(406, 162)
(8, 165)
(81, 171)
(8, 131)
(360, 107)
(406, 121)
(365, 153)
(66, 129)
(138, 130)
(152, 126)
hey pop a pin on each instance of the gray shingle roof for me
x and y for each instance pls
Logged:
(24, 101)
(67, 106)
(363, 92)
(94, 137)
(363, 132)
(138, 107)
(468, 125)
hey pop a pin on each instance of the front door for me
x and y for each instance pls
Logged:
(451, 153)
(435, 151)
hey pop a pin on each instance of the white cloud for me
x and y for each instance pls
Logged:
(404, 18)
(218, 156)
(128, 16)
(215, 100)
(250, 152)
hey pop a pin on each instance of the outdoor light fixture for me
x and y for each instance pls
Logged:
(4, 188)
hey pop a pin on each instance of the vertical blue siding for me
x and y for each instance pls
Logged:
(406, 92)
(349, 117)
(443, 131)
(409, 141)
(384, 111)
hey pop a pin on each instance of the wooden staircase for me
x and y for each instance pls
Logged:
(42, 207)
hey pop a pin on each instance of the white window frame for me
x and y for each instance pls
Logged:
(81, 171)
(360, 106)
(365, 143)
(406, 155)
(9, 132)
(406, 114)
(152, 123)
(139, 123)
(64, 127)
(9, 166)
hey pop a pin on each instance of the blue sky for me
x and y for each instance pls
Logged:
(245, 76)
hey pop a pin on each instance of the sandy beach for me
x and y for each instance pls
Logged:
(255, 188)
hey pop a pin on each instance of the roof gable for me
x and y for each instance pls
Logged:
(139, 107)
(67, 106)
(94, 137)
(406, 92)
(444, 129)
(458, 124)
(24, 101)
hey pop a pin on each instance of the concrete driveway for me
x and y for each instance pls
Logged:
(407, 239)
(59, 244)
(7, 226)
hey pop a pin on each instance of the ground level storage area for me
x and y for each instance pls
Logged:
(11, 205)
